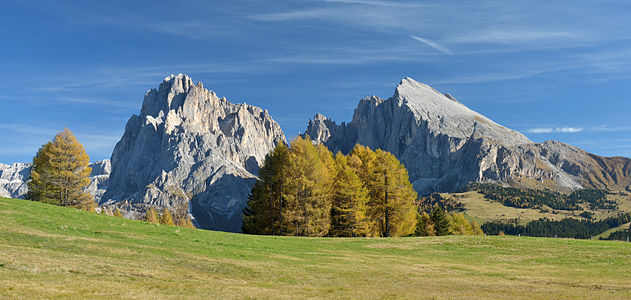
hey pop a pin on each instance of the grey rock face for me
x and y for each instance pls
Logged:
(446, 145)
(190, 147)
(13, 179)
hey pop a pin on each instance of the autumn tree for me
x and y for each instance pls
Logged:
(166, 218)
(304, 190)
(391, 205)
(152, 216)
(350, 200)
(117, 213)
(60, 172)
(307, 200)
(459, 225)
(181, 217)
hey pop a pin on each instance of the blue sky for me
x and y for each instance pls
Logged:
(551, 69)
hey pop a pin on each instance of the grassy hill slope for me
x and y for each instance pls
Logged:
(65, 253)
(482, 209)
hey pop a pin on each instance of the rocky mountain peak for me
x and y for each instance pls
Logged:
(190, 147)
(446, 145)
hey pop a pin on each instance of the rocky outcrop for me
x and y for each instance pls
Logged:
(13, 179)
(446, 145)
(189, 147)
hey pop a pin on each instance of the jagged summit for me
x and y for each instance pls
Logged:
(445, 145)
(189, 147)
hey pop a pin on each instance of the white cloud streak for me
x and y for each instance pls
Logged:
(555, 130)
(372, 3)
(432, 44)
(513, 36)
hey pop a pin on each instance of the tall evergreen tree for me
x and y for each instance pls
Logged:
(350, 198)
(60, 172)
(440, 221)
(424, 225)
(264, 212)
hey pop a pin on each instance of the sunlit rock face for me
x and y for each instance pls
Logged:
(189, 146)
(446, 145)
(13, 179)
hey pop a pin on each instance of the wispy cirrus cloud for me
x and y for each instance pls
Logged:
(376, 3)
(513, 36)
(432, 44)
(555, 130)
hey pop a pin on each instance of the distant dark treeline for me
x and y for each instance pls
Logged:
(620, 235)
(427, 204)
(529, 198)
(566, 228)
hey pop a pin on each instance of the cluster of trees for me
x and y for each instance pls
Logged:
(60, 172)
(304, 190)
(440, 222)
(179, 217)
(620, 235)
(428, 203)
(597, 199)
(530, 198)
(567, 228)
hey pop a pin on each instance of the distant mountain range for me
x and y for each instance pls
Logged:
(188, 146)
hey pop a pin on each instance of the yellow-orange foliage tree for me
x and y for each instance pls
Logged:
(60, 172)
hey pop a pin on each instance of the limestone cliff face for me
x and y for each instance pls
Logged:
(190, 146)
(446, 145)
(13, 179)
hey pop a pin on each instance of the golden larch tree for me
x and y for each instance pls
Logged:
(60, 172)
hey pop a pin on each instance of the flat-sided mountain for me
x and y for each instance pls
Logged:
(189, 146)
(13, 179)
(445, 145)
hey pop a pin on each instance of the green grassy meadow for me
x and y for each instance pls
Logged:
(54, 252)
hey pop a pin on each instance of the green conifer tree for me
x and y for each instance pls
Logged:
(266, 205)
(60, 172)
(440, 221)
(424, 225)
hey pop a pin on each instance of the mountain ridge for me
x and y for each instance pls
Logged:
(445, 145)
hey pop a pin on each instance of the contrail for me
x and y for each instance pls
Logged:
(434, 45)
